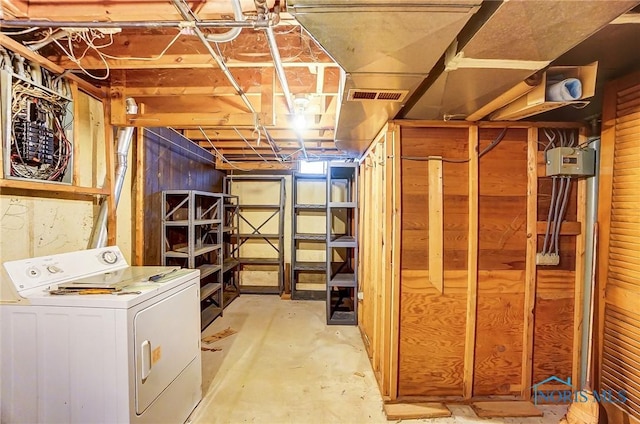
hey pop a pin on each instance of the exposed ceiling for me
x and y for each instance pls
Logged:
(347, 66)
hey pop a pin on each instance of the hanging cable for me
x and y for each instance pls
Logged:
(551, 203)
(565, 201)
(483, 152)
(217, 152)
(249, 144)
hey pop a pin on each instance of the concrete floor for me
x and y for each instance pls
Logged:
(285, 365)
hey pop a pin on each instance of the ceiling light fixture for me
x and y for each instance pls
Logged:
(300, 102)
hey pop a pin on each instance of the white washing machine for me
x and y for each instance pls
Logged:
(99, 358)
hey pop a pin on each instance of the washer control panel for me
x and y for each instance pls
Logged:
(44, 271)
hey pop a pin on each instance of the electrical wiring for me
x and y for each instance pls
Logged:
(249, 144)
(548, 228)
(39, 146)
(24, 31)
(483, 152)
(558, 223)
(217, 152)
(89, 38)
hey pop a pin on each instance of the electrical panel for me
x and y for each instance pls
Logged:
(36, 111)
(571, 162)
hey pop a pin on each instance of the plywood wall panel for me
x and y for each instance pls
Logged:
(498, 342)
(171, 162)
(432, 336)
(433, 325)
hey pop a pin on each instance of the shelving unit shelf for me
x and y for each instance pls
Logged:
(308, 247)
(230, 263)
(259, 239)
(193, 237)
(342, 243)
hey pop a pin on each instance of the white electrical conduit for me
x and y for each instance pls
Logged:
(125, 134)
(277, 61)
(551, 202)
(233, 32)
(188, 15)
(558, 223)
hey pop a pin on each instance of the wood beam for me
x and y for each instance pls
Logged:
(184, 120)
(311, 136)
(393, 160)
(255, 165)
(472, 265)
(142, 48)
(117, 99)
(325, 145)
(266, 99)
(149, 10)
(530, 266)
(436, 239)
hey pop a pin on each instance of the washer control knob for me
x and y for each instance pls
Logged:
(33, 272)
(53, 269)
(109, 257)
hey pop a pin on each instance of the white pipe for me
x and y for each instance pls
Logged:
(125, 135)
(589, 257)
(277, 61)
(233, 32)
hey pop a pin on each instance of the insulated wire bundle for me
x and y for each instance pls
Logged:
(54, 108)
(559, 194)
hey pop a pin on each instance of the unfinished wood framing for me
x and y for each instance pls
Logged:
(472, 264)
(477, 338)
(435, 223)
(530, 269)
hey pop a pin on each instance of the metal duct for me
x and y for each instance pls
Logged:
(381, 46)
(125, 134)
(518, 39)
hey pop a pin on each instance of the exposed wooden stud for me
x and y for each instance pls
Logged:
(472, 265)
(108, 183)
(139, 187)
(387, 290)
(117, 99)
(396, 164)
(76, 133)
(530, 267)
(436, 223)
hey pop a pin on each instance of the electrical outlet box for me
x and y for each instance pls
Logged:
(547, 259)
(571, 162)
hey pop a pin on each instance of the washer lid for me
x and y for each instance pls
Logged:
(43, 271)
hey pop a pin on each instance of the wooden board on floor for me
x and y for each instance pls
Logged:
(414, 411)
(506, 409)
(219, 335)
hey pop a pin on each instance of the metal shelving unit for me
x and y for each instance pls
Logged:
(247, 213)
(342, 243)
(230, 263)
(306, 268)
(192, 232)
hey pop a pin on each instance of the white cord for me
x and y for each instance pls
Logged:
(218, 154)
